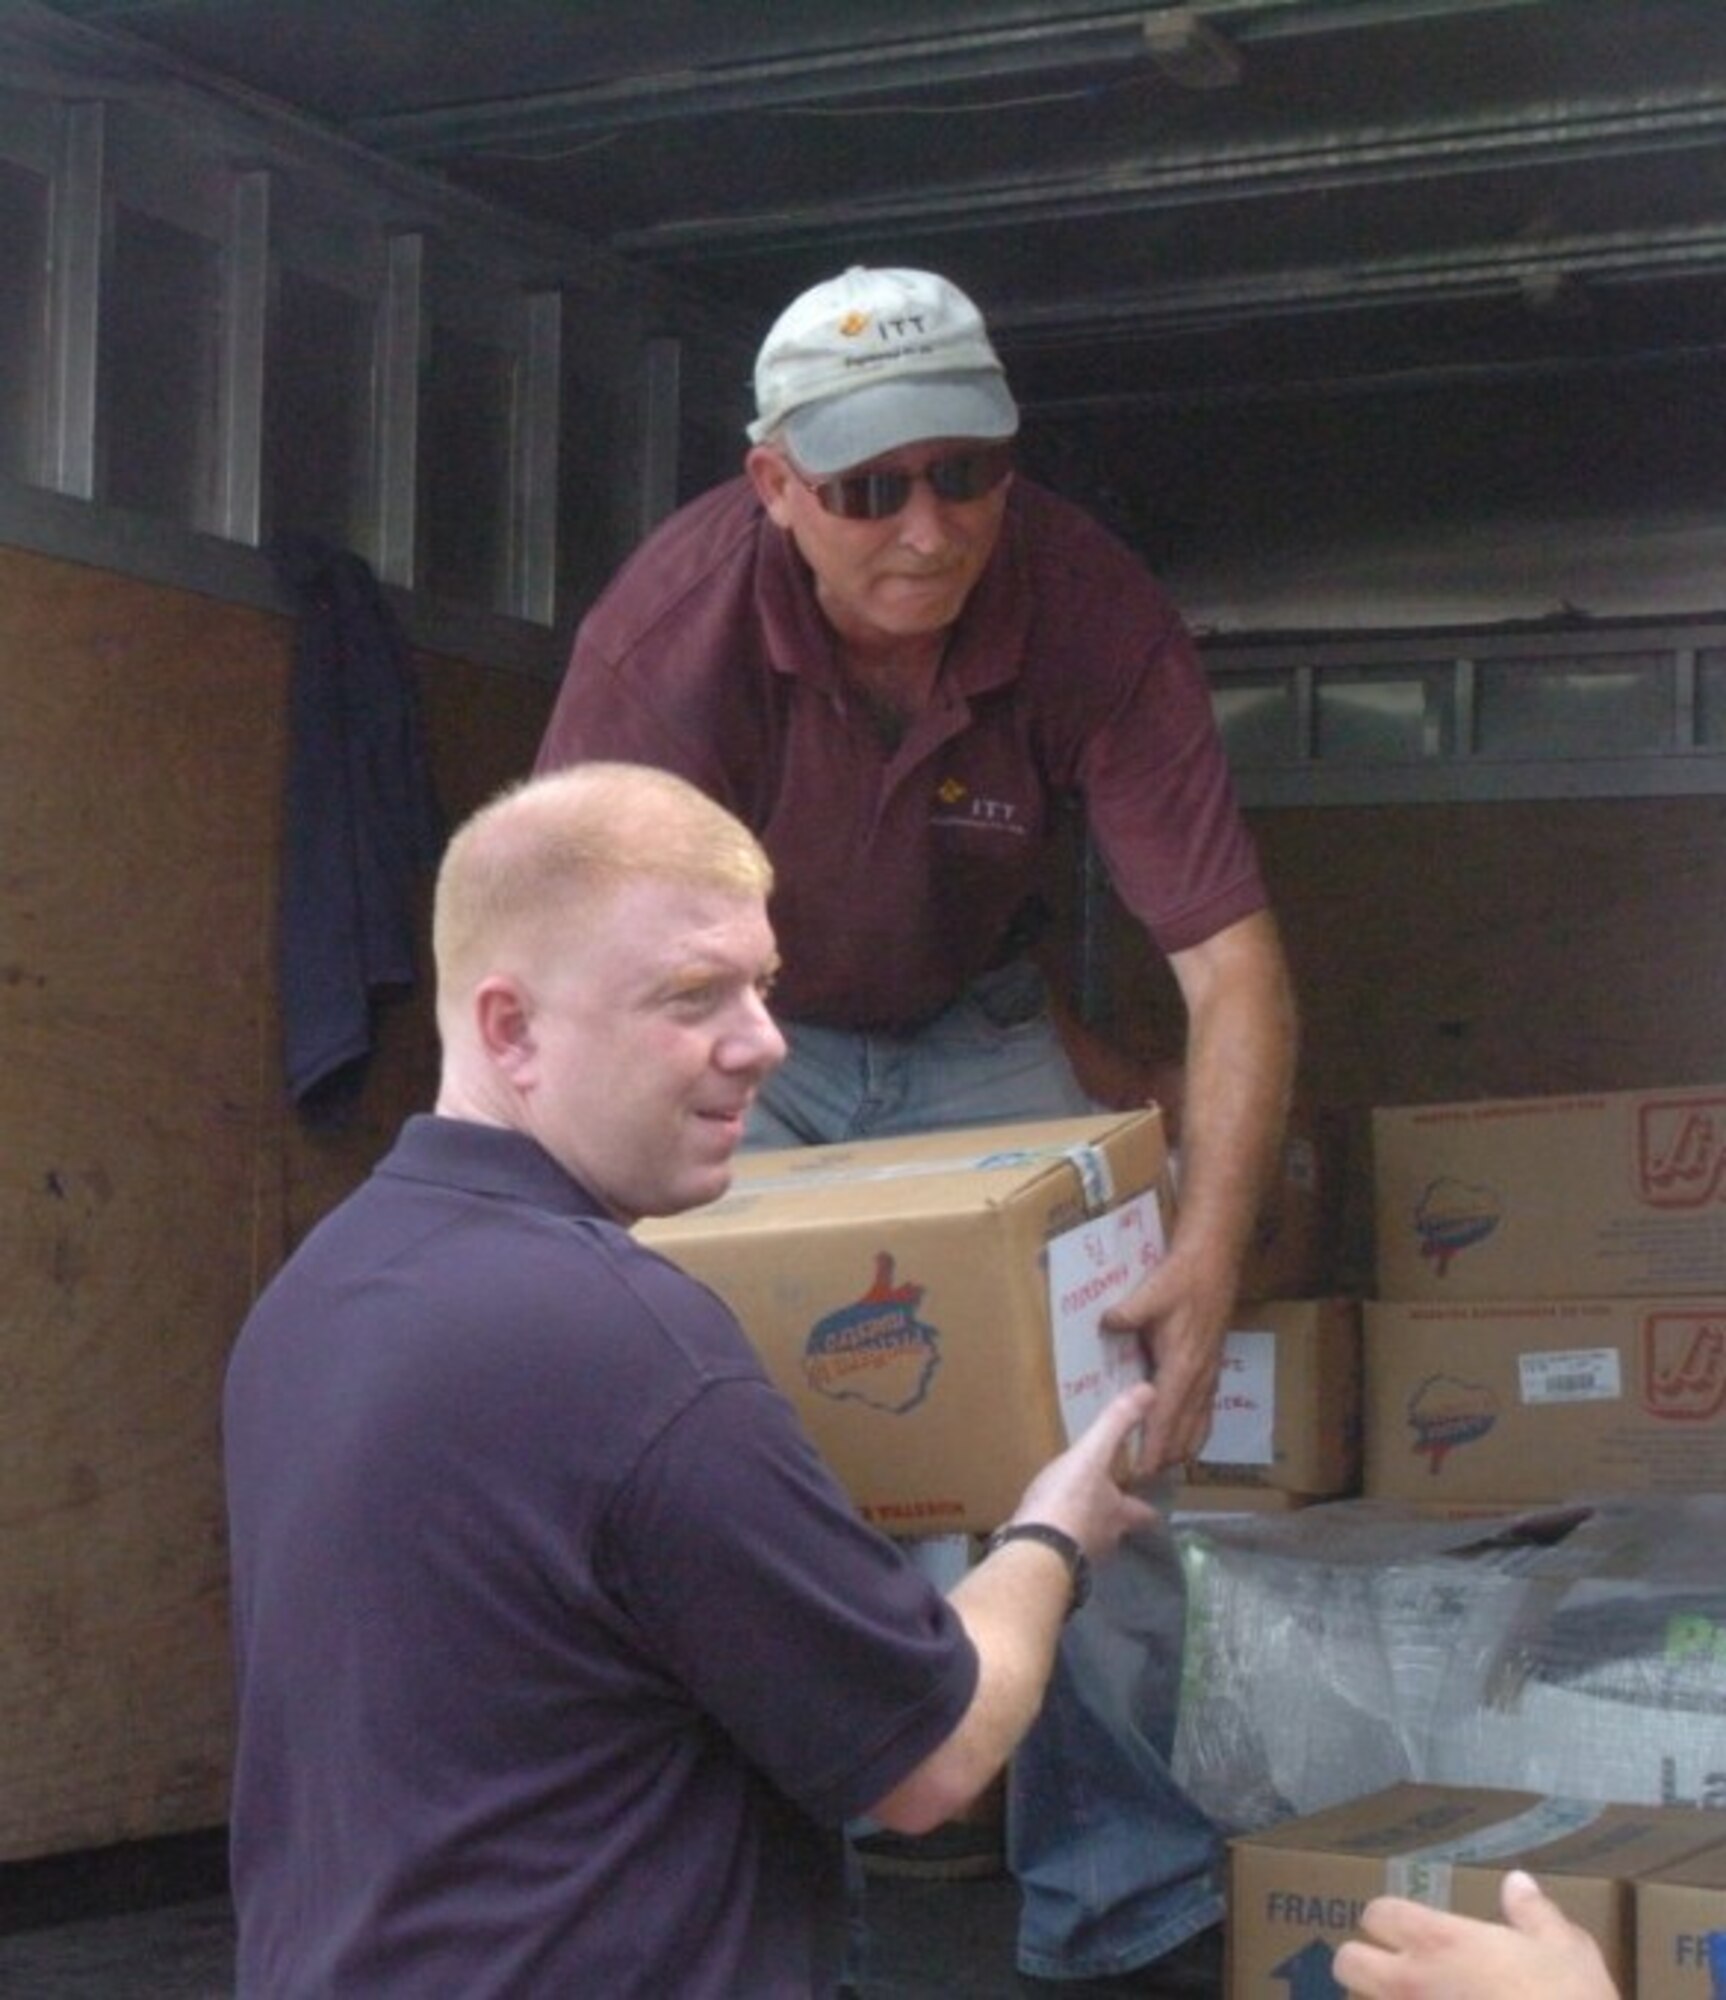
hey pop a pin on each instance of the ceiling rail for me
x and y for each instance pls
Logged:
(1075, 39)
(1525, 136)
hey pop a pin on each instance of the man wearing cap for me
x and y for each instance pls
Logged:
(896, 660)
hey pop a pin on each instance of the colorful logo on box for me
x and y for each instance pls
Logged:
(1452, 1216)
(1684, 1365)
(875, 1351)
(1681, 1151)
(1444, 1413)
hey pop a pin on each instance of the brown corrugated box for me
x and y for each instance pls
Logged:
(1288, 1403)
(1296, 1890)
(906, 1295)
(1620, 1193)
(1681, 1928)
(1292, 1250)
(1518, 1400)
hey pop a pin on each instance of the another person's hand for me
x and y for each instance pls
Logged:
(1082, 1490)
(1409, 1951)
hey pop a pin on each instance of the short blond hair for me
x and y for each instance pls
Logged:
(556, 844)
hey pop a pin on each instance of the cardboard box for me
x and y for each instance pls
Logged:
(1518, 1400)
(1296, 1890)
(930, 1304)
(1620, 1194)
(1681, 1929)
(1288, 1403)
(1292, 1248)
(1293, 1243)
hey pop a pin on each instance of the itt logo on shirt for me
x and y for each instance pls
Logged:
(958, 805)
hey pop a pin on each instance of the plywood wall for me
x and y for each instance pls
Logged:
(1453, 951)
(151, 1174)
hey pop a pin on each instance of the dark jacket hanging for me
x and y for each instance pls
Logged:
(362, 821)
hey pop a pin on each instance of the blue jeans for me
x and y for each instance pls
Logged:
(1116, 1866)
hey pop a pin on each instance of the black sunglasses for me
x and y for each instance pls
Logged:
(874, 496)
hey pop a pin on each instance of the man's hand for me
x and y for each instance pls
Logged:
(1081, 1492)
(1181, 1314)
(1239, 1069)
(1409, 1951)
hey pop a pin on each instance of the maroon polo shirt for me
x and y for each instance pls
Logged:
(899, 870)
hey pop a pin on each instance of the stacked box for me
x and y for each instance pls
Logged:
(1681, 1929)
(1551, 1318)
(1287, 1411)
(1615, 1195)
(1291, 1249)
(1296, 1891)
(1518, 1400)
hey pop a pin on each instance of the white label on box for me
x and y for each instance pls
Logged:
(1571, 1375)
(1243, 1415)
(1092, 1268)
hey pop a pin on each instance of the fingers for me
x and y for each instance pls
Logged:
(1120, 1415)
(1398, 1922)
(1144, 1303)
(1527, 1908)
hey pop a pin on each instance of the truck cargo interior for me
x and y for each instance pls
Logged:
(1390, 334)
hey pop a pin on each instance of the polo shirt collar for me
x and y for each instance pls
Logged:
(486, 1160)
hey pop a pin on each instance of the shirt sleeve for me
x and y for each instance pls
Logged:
(1160, 802)
(827, 1658)
(602, 712)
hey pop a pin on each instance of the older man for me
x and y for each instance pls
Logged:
(897, 659)
(562, 1661)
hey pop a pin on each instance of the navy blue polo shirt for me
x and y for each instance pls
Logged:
(561, 1657)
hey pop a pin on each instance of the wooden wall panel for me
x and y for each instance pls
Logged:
(150, 1170)
(137, 819)
(1455, 951)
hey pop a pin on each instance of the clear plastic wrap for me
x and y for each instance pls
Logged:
(1333, 1651)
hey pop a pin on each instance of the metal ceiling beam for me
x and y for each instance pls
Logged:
(1535, 136)
(1479, 271)
(1059, 41)
(1372, 376)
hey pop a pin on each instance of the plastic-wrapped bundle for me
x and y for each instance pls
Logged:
(1334, 1651)
(1619, 1691)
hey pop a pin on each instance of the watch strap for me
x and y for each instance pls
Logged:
(1051, 1537)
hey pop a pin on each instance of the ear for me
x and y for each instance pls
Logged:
(503, 1016)
(773, 480)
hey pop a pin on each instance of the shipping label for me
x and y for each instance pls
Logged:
(1091, 1268)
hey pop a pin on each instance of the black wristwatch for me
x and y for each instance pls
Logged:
(1078, 1563)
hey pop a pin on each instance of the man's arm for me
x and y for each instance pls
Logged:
(1241, 1037)
(1013, 1605)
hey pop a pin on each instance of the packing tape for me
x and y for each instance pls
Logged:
(1424, 1873)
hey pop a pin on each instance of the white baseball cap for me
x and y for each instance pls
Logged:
(875, 359)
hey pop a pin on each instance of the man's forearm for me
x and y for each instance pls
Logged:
(1013, 1607)
(1239, 1076)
